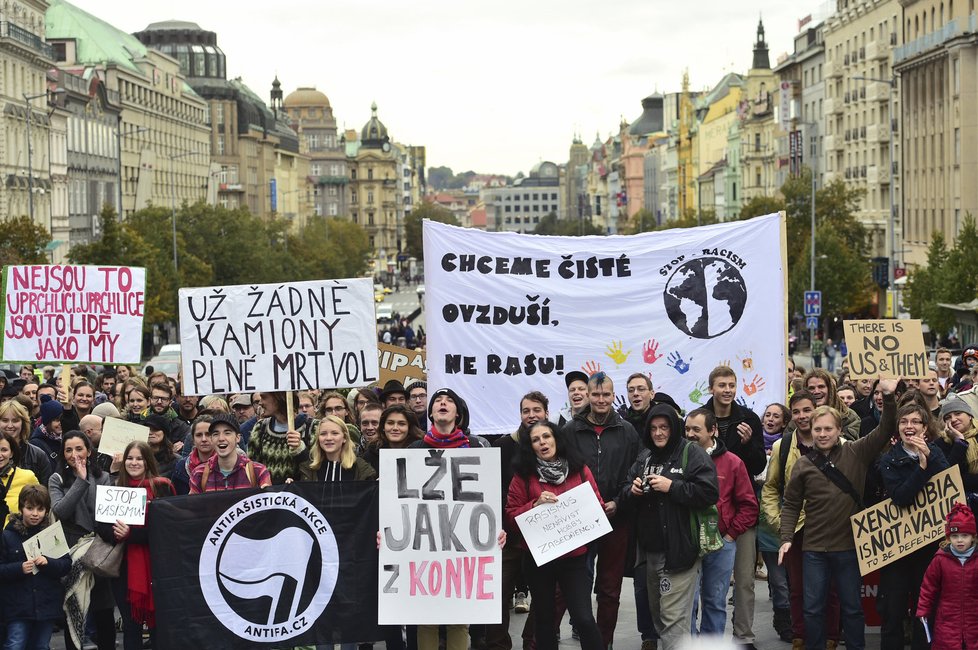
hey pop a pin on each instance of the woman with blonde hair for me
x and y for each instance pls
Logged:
(15, 421)
(333, 455)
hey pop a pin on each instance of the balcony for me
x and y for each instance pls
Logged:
(877, 91)
(833, 106)
(876, 51)
(834, 69)
(23, 37)
(832, 143)
(935, 39)
(878, 134)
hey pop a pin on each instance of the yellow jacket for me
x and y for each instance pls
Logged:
(22, 477)
(771, 493)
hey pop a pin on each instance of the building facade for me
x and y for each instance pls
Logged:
(758, 126)
(311, 116)
(520, 207)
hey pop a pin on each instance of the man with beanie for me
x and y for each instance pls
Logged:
(418, 401)
(228, 468)
(47, 435)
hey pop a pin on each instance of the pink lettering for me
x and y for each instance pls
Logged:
(416, 575)
(484, 577)
(434, 578)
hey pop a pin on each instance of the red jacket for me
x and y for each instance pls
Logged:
(523, 493)
(948, 598)
(737, 504)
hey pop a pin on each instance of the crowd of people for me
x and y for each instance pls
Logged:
(776, 488)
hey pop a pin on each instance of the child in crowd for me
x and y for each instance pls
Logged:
(951, 585)
(30, 603)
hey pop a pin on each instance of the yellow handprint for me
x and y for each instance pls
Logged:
(616, 353)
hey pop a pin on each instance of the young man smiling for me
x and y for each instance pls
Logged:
(228, 468)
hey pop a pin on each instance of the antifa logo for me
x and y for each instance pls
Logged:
(263, 587)
(705, 297)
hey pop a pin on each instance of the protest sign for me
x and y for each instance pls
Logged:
(893, 349)
(124, 504)
(507, 313)
(278, 337)
(886, 532)
(287, 566)
(50, 542)
(440, 515)
(65, 313)
(553, 529)
(117, 433)
(400, 364)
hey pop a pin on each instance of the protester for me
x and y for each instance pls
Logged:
(267, 443)
(397, 429)
(608, 445)
(307, 404)
(333, 456)
(335, 404)
(82, 401)
(73, 487)
(161, 405)
(774, 421)
(132, 589)
(137, 402)
(202, 449)
(15, 423)
(576, 382)
(393, 393)
(159, 442)
(31, 603)
(667, 480)
(369, 423)
(942, 360)
(47, 435)
(12, 477)
(905, 471)
(829, 548)
(737, 509)
(959, 440)
(821, 384)
(418, 401)
(546, 467)
(242, 407)
(950, 587)
(227, 468)
(847, 394)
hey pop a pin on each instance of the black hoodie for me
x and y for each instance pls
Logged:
(662, 519)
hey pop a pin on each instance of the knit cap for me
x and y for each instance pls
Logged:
(955, 405)
(960, 520)
(51, 409)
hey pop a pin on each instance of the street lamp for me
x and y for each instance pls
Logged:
(891, 82)
(30, 148)
(173, 203)
(119, 133)
(814, 126)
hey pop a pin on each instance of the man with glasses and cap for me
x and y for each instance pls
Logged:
(418, 401)
(393, 393)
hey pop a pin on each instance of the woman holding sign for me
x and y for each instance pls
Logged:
(133, 593)
(268, 443)
(72, 490)
(546, 468)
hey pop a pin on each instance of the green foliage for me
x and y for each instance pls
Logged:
(641, 221)
(330, 248)
(414, 245)
(950, 277)
(760, 206)
(23, 242)
(551, 225)
(842, 275)
(690, 219)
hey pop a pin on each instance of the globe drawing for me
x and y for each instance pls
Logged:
(705, 297)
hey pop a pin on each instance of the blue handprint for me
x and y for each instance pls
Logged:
(675, 361)
(743, 402)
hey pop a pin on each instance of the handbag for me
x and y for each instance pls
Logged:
(704, 523)
(104, 559)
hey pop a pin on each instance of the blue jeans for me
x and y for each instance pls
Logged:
(819, 569)
(28, 635)
(713, 588)
(777, 580)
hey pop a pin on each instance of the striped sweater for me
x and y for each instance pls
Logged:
(269, 448)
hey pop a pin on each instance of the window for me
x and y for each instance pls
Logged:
(370, 197)
(315, 169)
(333, 209)
(370, 173)
(220, 144)
(553, 196)
(757, 143)
(353, 174)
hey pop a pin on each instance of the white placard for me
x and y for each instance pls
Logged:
(117, 433)
(125, 504)
(440, 516)
(553, 529)
(50, 542)
(278, 337)
(73, 314)
(508, 313)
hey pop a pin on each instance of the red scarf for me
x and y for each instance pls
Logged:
(139, 579)
(435, 439)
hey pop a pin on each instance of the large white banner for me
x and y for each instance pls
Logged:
(507, 313)
(440, 516)
(66, 313)
(278, 337)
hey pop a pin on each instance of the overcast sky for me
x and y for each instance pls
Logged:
(493, 86)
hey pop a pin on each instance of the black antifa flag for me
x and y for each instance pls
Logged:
(289, 565)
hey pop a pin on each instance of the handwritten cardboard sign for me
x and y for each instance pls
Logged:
(891, 348)
(400, 363)
(65, 313)
(50, 542)
(553, 529)
(125, 504)
(886, 532)
(278, 337)
(117, 433)
(440, 515)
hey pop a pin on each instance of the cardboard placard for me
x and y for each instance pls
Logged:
(886, 532)
(125, 504)
(553, 529)
(440, 516)
(399, 363)
(50, 542)
(117, 433)
(72, 314)
(891, 349)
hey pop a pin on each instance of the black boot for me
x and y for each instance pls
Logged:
(782, 624)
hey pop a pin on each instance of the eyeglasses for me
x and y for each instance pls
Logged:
(334, 409)
(420, 397)
(915, 422)
(159, 399)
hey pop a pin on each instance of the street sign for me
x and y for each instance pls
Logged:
(812, 322)
(813, 303)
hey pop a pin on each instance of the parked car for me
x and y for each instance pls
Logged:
(169, 350)
(384, 313)
(168, 365)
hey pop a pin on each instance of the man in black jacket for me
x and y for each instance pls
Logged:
(742, 435)
(662, 490)
(609, 445)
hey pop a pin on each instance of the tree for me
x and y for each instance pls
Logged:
(759, 206)
(641, 221)
(439, 177)
(330, 248)
(414, 244)
(950, 277)
(23, 242)
(690, 219)
(551, 225)
(842, 275)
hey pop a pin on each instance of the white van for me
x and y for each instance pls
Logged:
(384, 312)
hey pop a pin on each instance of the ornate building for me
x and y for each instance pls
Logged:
(311, 116)
(758, 126)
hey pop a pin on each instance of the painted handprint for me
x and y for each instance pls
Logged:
(725, 362)
(591, 367)
(675, 361)
(696, 395)
(650, 351)
(746, 358)
(756, 384)
(740, 400)
(620, 402)
(616, 353)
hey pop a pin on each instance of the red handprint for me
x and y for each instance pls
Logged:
(650, 351)
(591, 367)
(756, 384)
